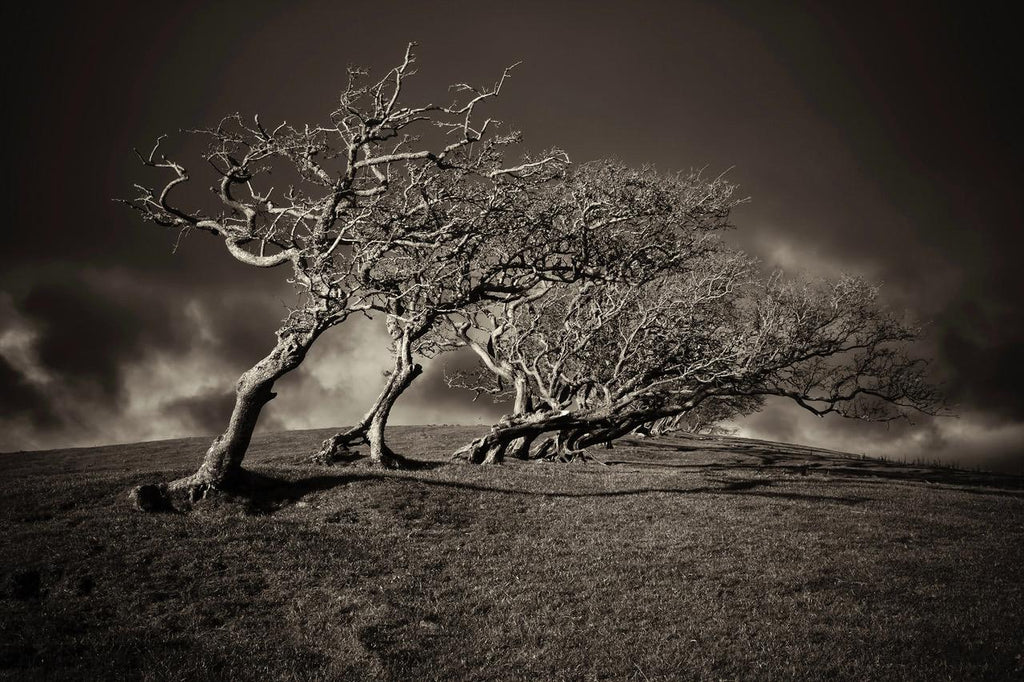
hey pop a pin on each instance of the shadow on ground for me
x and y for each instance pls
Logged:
(738, 454)
(721, 465)
(266, 495)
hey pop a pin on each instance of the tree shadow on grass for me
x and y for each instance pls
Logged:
(260, 494)
(263, 494)
(974, 482)
(691, 452)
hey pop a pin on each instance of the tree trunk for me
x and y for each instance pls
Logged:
(571, 434)
(222, 465)
(643, 430)
(491, 448)
(334, 448)
(664, 425)
(404, 373)
(606, 435)
(496, 455)
(544, 449)
(370, 429)
(518, 448)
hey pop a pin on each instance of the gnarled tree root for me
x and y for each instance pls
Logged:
(175, 496)
(338, 448)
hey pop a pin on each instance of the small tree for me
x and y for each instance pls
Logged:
(344, 177)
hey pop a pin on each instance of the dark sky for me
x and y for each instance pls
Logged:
(877, 140)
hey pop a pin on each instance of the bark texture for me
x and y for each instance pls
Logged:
(568, 435)
(404, 373)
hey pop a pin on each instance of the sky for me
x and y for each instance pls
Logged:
(872, 139)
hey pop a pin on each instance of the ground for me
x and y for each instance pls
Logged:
(687, 559)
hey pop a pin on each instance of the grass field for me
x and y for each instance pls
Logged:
(687, 559)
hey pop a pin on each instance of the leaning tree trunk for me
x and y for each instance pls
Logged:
(571, 434)
(644, 430)
(606, 435)
(666, 425)
(492, 447)
(370, 429)
(658, 427)
(518, 448)
(404, 373)
(222, 465)
(564, 446)
(334, 448)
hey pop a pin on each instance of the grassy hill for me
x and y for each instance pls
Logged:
(688, 558)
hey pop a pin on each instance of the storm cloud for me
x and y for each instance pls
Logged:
(878, 139)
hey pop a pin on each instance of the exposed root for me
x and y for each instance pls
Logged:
(176, 496)
(583, 456)
(473, 452)
(338, 448)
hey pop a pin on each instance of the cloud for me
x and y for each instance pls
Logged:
(112, 356)
(108, 355)
(980, 346)
(973, 439)
(23, 381)
(87, 329)
(430, 401)
(345, 372)
(21, 400)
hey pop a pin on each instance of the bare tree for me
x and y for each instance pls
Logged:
(344, 179)
(614, 224)
(468, 239)
(605, 359)
(519, 231)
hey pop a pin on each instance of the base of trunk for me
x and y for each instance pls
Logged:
(552, 449)
(338, 448)
(175, 496)
(494, 457)
(386, 458)
(474, 452)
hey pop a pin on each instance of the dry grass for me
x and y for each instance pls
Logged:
(698, 559)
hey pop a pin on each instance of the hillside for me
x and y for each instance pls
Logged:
(687, 558)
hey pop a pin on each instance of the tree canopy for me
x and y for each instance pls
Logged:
(602, 359)
(600, 297)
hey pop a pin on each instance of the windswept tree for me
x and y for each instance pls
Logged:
(612, 225)
(601, 360)
(342, 180)
(473, 232)
(512, 235)
(600, 349)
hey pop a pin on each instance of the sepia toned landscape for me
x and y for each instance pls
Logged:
(468, 341)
